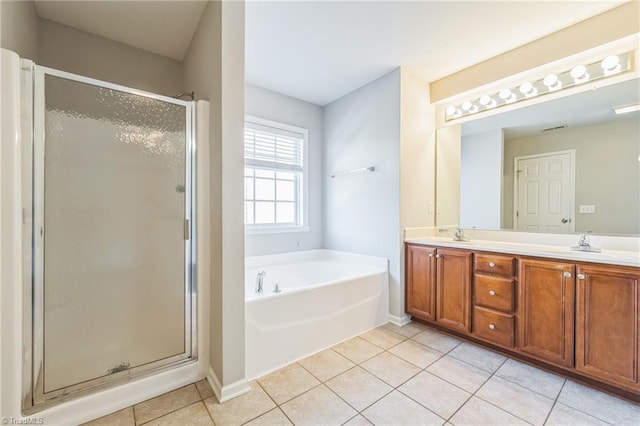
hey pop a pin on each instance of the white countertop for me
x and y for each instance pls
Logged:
(612, 257)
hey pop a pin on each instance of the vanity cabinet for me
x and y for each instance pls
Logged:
(494, 298)
(608, 324)
(577, 317)
(420, 289)
(438, 286)
(546, 327)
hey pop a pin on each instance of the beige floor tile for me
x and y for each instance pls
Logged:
(242, 408)
(357, 350)
(288, 382)
(319, 406)
(434, 393)
(416, 353)
(398, 409)
(119, 418)
(523, 403)
(192, 415)
(600, 405)
(390, 369)
(326, 364)
(437, 340)
(358, 421)
(461, 374)
(407, 330)
(531, 378)
(478, 412)
(274, 417)
(382, 337)
(562, 415)
(204, 388)
(359, 388)
(164, 404)
(481, 358)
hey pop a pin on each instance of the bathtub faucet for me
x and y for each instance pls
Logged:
(259, 280)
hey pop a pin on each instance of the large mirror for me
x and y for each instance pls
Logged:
(568, 165)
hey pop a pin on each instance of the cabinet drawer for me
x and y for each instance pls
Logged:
(494, 292)
(494, 326)
(495, 264)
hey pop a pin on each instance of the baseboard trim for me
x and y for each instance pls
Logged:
(225, 393)
(404, 319)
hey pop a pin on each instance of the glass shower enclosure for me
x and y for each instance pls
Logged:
(112, 272)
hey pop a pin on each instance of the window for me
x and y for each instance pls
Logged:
(274, 176)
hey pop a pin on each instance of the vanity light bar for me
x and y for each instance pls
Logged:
(579, 74)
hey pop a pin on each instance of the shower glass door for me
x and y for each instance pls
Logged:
(112, 210)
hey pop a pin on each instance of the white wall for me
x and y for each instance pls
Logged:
(19, 28)
(481, 180)
(263, 103)
(214, 68)
(362, 210)
(68, 49)
(417, 170)
(448, 146)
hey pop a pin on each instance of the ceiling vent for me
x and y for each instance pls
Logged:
(549, 129)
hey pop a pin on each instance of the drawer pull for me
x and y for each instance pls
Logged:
(492, 293)
(567, 275)
(491, 264)
(492, 326)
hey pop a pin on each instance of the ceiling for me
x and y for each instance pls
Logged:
(162, 27)
(582, 109)
(319, 51)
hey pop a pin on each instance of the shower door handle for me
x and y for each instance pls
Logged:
(187, 229)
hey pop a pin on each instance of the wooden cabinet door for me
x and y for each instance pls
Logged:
(420, 282)
(453, 289)
(607, 324)
(546, 308)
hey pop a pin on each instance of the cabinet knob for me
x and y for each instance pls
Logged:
(580, 276)
(492, 293)
(438, 256)
(567, 275)
(492, 326)
(491, 264)
(430, 254)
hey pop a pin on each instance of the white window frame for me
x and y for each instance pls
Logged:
(303, 193)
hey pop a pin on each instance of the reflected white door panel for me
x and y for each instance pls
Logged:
(545, 192)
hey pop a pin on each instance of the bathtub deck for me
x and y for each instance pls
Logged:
(392, 376)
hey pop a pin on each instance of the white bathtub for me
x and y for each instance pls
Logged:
(326, 297)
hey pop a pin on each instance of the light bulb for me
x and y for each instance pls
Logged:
(579, 74)
(552, 82)
(611, 65)
(487, 101)
(504, 94)
(578, 71)
(528, 90)
(466, 105)
(451, 110)
(610, 62)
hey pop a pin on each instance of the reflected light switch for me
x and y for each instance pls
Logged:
(587, 208)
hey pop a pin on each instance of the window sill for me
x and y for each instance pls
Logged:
(276, 230)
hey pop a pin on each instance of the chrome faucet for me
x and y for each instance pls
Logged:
(260, 280)
(459, 235)
(584, 244)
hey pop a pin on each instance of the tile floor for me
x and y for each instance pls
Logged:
(392, 375)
